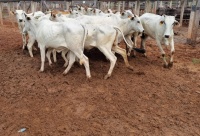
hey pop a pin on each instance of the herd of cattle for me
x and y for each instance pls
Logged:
(70, 32)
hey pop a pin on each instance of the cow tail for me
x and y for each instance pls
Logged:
(136, 49)
(83, 44)
(116, 28)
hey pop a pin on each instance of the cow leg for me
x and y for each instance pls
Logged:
(54, 55)
(163, 53)
(83, 60)
(172, 52)
(129, 41)
(48, 55)
(108, 53)
(31, 41)
(24, 40)
(42, 53)
(143, 42)
(72, 59)
(64, 52)
(135, 42)
(122, 52)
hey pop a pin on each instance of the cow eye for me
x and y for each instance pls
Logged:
(162, 22)
(138, 22)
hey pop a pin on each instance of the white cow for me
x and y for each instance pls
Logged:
(128, 25)
(159, 28)
(31, 34)
(20, 21)
(59, 36)
(102, 37)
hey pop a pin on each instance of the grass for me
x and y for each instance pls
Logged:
(195, 61)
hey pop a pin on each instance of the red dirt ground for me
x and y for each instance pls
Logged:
(150, 100)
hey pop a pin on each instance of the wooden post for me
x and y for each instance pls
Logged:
(24, 6)
(170, 4)
(137, 8)
(155, 7)
(147, 6)
(112, 5)
(67, 6)
(8, 9)
(108, 5)
(32, 6)
(119, 4)
(41, 5)
(123, 5)
(182, 11)
(1, 15)
(194, 23)
(161, 4)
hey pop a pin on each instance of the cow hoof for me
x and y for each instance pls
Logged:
(145, 55)
(133, 56)
(170, 64)
(165, 66)
(130, 67)
(40, 71)
(89, 78)
(50, 64)
(107, 76)
(64, 73)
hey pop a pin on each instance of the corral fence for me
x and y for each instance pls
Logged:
(182, 8)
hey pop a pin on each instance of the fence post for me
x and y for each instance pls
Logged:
(123, 5)
(1, 15)
(137, 8)
(194, 23)
(24, 6)
(155, 7)
(147, 6)
(182, 11)
(119, 4)
(170, 4)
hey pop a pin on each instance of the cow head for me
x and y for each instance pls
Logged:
(136, 24)
(168, 22)
(75, 13)
(19, 15)
(127, 14)
(53, 16)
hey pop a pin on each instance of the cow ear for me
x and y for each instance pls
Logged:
(176, 22)
(132, 18)
(25, 15)
(163, 15)
(28, 18)
(13, 13)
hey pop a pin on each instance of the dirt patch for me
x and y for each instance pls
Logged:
(150, 100)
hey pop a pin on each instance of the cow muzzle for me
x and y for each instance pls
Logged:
(20, 20)
(166, 36)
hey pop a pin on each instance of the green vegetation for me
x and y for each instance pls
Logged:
(196, 61)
